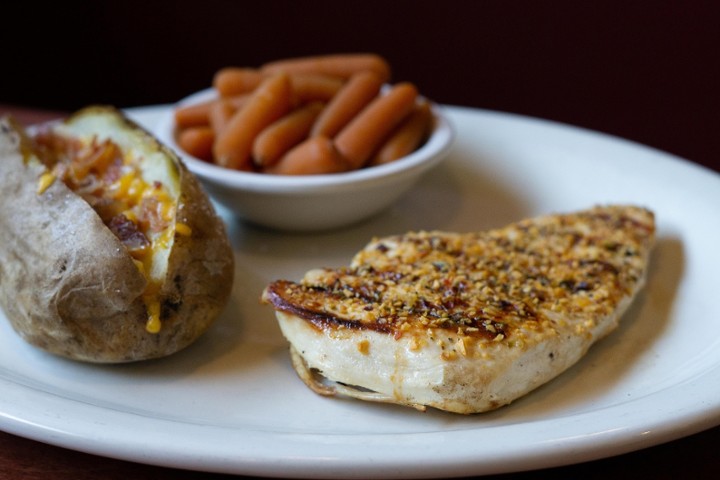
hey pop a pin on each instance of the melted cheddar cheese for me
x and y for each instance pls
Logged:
(141, 213)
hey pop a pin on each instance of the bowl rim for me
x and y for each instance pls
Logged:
(434, 150)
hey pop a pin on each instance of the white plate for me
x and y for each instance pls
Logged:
(232, 403)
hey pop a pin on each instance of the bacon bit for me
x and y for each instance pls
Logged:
(129, 234)
(96, 158)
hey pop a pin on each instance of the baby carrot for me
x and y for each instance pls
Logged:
(315, 155)
(197, 141)
(359, 90)
(268, 102)
(235, 80)
(280, 136)
(237, 101)
(359, 138)
(192, 115)
(309, 87)
(407, 137)
(221, 111)
(341, 65)
(199, 113)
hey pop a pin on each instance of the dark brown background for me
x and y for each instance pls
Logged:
(643, 70)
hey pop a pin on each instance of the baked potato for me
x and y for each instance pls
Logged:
(110, 250)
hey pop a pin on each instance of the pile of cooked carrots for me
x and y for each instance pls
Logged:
(306, 115)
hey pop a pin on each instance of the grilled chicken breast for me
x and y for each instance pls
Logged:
(465, 322)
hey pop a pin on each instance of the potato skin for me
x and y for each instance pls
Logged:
(68, 285)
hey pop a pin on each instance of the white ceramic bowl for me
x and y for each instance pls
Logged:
(311, 202)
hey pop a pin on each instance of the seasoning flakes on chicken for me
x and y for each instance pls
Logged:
(465, 322)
